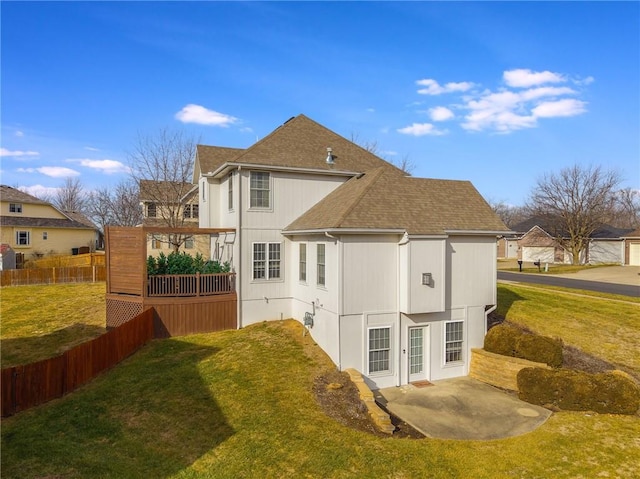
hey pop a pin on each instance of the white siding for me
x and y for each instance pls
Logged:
(472, 271)
(417, 257)
(370, 273)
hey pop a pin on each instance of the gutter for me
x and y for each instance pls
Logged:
(225, 167)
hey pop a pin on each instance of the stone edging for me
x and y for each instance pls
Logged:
(380, 418)
(497, 370)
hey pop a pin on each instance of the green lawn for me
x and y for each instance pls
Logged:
(240, 404)
(42, 321)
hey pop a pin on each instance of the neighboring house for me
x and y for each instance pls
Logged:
(394, 275)
(7, 257)
(171, 204)
(606, 244)
(632, 248)
(36, 228)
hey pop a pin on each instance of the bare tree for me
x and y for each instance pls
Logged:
(579, 200)
(70, 196)
(510, 215)
(627, 209)
(119, 206)
(162, 166)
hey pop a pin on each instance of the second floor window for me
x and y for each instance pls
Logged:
(15, 208)
(190, 211)
(260, 192)
(230, 197)
(151, 210)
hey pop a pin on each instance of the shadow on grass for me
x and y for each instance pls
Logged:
(506, 298)
(25, 350)
(151, 416)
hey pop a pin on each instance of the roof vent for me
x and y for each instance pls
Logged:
(329, 156)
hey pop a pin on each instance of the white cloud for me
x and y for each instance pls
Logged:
(390, 153)
(440, 113)
(524, 78)
(39, 191)
(52, 171)
(91, 148)
(421, 129)
(565, 107)
(432, 87)
(106, 166)
(371, 110)
(203, 116)
(246, 129)
(17, 153)
(19, 134)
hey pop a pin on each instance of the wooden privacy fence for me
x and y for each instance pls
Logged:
(72, 274)
(32, 384)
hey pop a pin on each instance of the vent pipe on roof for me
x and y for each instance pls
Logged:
(329, 156)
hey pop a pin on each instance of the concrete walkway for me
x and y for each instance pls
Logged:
(462, 408)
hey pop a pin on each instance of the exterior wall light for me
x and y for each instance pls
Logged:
(426, 278)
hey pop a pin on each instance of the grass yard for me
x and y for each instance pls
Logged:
(41, 321)
(239, 404)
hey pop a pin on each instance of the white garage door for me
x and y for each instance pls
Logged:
(543, 254)
(634, 254)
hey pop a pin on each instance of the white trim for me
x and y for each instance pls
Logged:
(386, 372)
(266, 262)
(260, 208)
(339, 231)
(478, 232)
(462, 359)
(222, 169)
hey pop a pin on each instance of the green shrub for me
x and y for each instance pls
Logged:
(183, 263)
(541, 349)
(509, 340)
(502, 339)
(570, 390)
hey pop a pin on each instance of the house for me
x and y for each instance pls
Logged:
(170, 204)
(606, 244)
(393, 275)
(35, 228)
(632, 248)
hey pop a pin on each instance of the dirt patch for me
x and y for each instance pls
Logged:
(338, 397)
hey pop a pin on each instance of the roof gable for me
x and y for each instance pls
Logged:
(298, 143)
(383, 199)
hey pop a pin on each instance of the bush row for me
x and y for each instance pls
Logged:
(183, 263)
(611, 392)
(511, 341)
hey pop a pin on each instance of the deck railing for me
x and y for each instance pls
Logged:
(181, 285)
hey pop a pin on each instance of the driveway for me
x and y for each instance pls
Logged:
(462, 408)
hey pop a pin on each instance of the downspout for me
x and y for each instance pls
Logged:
(239, 239)
(339, 296)
(403, 241)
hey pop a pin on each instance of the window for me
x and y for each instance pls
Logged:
(156, 242)
(230, 197)
(45, 235)
(303, 262)
(379, 350)
(190, 211)
(151, 210)
(15, 208)
(321, 260)
(23, 238)
(188, 242)
(259, 190)
(266, 260)
(453, 341)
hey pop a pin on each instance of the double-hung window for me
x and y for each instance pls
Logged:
(156, 242)
(230, 193)
(15, 208)
(266, 261)
(379, 350)
(454, 337)
(151, 210)
(320, 265)
(260, 190)
(23, 238)
(303, 262)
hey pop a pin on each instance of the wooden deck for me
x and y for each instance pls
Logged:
(183, 304)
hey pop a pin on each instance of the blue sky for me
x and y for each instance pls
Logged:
(497, 93)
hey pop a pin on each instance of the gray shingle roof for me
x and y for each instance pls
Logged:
(7, 193)
(384, 199)
(298, 143)
(42, 222)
